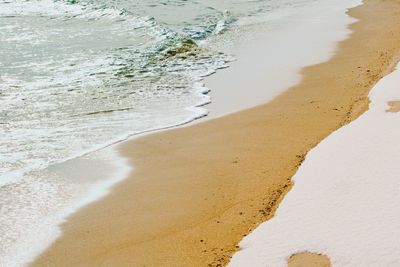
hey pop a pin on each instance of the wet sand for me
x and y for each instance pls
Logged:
(196, 191)
(307, 259)
(394, 106)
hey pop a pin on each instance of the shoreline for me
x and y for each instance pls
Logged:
(210, 219)
(271, 62)
(362, 158)
(273, 43)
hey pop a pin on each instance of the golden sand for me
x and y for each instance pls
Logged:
(394, 106)
(196, 191)
(307, 259)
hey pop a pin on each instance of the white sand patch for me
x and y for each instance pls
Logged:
(345, 202)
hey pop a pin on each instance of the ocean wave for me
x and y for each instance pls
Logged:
(77, 58)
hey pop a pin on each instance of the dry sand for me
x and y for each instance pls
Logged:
(196, 191)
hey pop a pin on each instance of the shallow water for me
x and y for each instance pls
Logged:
(76, 75)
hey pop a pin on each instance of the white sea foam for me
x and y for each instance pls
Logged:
(45, 202)
(345, 202)
(85, 77)
(38, 7)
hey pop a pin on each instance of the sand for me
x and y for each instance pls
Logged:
(394, 106)
(196, 191)
(271, 60)
(307, 259)
(353, 216)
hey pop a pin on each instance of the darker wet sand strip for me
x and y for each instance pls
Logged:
(196, 191)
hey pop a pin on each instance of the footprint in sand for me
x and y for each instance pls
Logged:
(308, 259)
(394, 106)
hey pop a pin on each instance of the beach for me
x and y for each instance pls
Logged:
(196, 191)
(355, 170)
